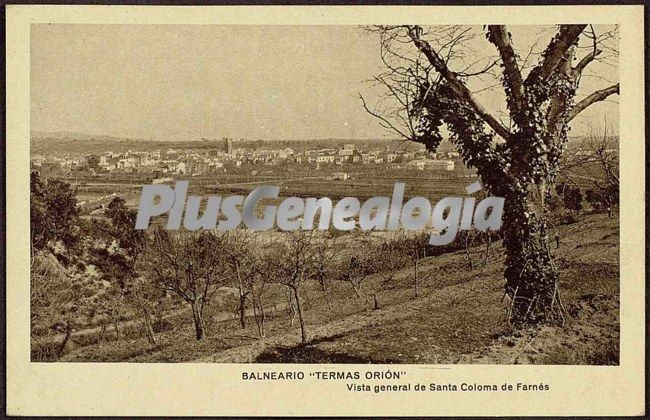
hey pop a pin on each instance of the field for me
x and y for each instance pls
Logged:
(460, 316)
(365, 182)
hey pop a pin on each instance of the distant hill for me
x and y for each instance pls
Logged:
(73, 136)
(68, 142)
(79, 143)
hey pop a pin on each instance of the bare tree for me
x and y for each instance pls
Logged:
(142, 293)
(473, 239)
(434, 80)
(259, 288)
(468, 239)
(116, 250)
(354, 269)
(188, 265)
(595, 162)
(292, 264)
(414, 248)
(111, 305)
(241, 267)
(53, 301)
(389, 258)
(325, 252)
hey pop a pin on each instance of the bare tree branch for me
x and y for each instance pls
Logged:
(457, 85)
(577, 70)
(499, 36)
(597, 96)
(553, 54)
(385, 123)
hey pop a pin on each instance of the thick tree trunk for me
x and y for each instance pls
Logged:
(198, 320)
(301, 318)
(531, 277)
(148, 327)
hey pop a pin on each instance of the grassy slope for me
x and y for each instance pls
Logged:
(459, 317)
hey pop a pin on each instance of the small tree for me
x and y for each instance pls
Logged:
(258, 290)
(603, 198)
(415, 248)
(241, 268)
(54, 216)
(53, 301)
(325, 252)
(388, 257)
(354, 269)
(111, 305)
(571, 197)
(292, 264)
(596, 161)
(117, 250)
(93, 162)
(467, 238)
(188, 265)
(606, 154)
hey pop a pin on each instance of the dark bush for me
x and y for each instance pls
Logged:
(162, 325)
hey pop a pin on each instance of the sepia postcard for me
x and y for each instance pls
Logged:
(325, 210)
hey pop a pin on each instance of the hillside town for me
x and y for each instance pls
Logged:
(224, 157)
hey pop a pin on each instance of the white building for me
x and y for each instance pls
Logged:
(181, 168)
(431, 164)
(162, 180)
(324, 159)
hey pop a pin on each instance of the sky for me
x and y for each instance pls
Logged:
(176, 82)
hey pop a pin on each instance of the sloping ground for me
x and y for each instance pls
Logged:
(466, 322)
(590, 337)
(460, 316)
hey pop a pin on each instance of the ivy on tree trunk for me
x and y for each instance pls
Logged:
(518, 163)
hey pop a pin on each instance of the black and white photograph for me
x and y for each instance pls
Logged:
(325, 210)
(318, 194)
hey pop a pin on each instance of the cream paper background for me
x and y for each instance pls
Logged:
(217, 389)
